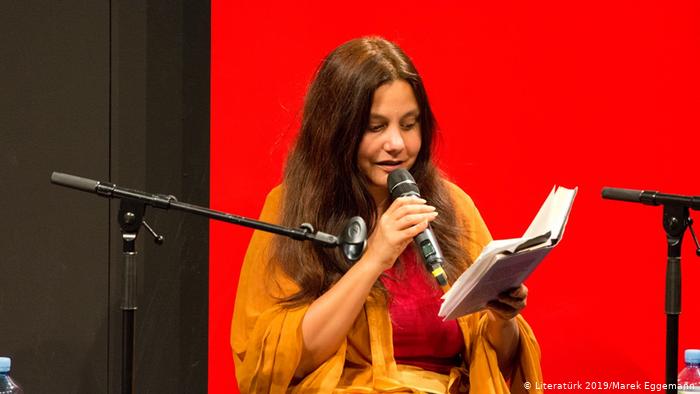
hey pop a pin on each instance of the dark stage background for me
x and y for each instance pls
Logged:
(116, 91)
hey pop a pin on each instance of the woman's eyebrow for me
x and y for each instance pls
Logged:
(413, 113)
(377, 117)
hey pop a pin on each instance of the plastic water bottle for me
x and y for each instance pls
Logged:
(7, 385)
(689, 378)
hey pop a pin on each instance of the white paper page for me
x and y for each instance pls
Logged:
(560, 211)
(509, 271)
(481, 262)
(540, 224)
(471, 279)
(502, 245)
(477, 284)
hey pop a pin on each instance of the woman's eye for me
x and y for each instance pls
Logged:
(409, 126)
(377, 127)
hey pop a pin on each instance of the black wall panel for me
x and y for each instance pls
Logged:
(54, 108)
(160, 93)
(110, 90)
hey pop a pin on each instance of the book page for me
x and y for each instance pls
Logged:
(540, 224)
(504, 264)
(483, 263)
(561, 208)
(508, 271)
(553, 214)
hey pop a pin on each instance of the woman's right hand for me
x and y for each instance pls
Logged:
(405, 218)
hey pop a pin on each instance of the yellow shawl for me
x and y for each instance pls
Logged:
(266, 339)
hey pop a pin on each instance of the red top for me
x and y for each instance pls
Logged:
(421, 338)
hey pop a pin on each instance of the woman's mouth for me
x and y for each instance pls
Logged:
(389, 165)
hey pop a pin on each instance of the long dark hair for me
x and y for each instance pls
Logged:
(322, 182)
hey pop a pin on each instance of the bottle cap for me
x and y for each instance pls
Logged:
(692, 356)
(5, 364)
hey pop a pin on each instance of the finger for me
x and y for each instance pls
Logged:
(515, 293)
(405, 207)
(501, 309)
(401, 201)
(519, 292)
(515, 303)
(410, 209)
(513, 296)
(411, 220)
(414, 230)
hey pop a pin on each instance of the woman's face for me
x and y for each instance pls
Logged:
(393, 137)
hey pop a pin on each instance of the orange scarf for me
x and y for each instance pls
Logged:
(266, 339)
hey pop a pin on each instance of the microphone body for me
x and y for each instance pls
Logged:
(402, 184)
(651, 197)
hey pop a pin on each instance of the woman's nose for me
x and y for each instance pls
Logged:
(394, 139)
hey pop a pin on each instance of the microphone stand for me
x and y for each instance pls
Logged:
(132, 208)
(676, 218)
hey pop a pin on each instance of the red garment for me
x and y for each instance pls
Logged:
(420, 337)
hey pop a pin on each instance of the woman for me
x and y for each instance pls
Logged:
(305, 319)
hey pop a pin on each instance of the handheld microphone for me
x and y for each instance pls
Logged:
(402, 184)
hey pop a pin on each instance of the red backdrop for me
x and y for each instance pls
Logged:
(586, 94)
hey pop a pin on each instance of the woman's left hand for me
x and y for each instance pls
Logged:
(509, 303)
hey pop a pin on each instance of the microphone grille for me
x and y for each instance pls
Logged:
(401, 183)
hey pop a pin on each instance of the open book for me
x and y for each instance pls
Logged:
(504, 264)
